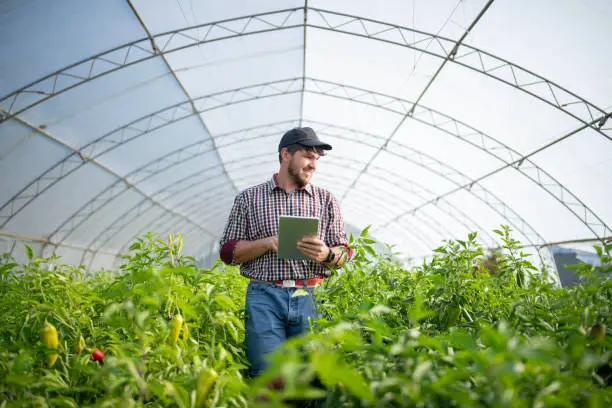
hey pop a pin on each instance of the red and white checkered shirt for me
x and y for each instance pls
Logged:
(255, 216)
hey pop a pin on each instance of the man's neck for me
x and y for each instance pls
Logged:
(285, 182)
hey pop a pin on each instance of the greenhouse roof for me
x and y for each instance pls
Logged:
(122, 117)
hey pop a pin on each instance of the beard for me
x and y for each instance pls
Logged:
(294, 173)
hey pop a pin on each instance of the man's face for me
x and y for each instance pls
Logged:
(302, 165)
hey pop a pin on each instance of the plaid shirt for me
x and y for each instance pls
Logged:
(255, 216)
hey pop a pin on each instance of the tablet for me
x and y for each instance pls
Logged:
(290, 230)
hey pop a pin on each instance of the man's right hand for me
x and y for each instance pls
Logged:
(248, 250)
(272, 243)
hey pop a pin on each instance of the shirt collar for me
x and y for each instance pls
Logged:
(273, 183)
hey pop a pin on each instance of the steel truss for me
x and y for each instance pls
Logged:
(161, 118)
(41, 184)
(470, 57)
(180, 84)
(196, 150)
(301, 17)
(194, 197)
(163, 226)
(416, 157)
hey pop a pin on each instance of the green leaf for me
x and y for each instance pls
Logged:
(423, 368)
(380, 309)
(370, 250)
(333, 372)
(29, 252)
(63, 402)
(225, 302)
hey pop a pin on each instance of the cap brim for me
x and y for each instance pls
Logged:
(315, 143)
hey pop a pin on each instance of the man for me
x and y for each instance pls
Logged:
(250, 240)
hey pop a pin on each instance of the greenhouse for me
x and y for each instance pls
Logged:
(471, 162)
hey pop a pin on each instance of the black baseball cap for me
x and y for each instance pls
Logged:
(304, 136)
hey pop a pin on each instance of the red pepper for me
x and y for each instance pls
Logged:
(98, 355)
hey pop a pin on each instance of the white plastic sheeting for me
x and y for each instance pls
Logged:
(122, 117)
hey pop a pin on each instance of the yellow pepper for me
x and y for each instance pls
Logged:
(206, 380)
(177, 324)
(49, 337)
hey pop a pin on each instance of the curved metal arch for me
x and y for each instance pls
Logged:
(481, 141)
(136, 209)
(516, 164)
(507, 213)
(99, 241)
(106, 143)
(420, 190)
(89, 255)
(485, 63)
(138, 51)
(180, 84)
(474, 59)
(199, 203)
(122, 181)
(424, 115)
(320, 176)
(383, 203)
(135, 176)
(90, 209)
(421, 164)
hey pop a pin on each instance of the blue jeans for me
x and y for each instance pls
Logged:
(272, 316)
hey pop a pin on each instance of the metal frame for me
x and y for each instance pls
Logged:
(424, 115)
(106, 143)
(140, 209)
(180, 84)
(33, 190)
(181, 155)
(448, 50)
(487, 64)
(518, 222)
(223, 211)
(304, 61)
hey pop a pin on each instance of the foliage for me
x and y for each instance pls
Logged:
(127, 316)
(446, 333)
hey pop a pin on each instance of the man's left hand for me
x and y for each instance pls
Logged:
(313, 248)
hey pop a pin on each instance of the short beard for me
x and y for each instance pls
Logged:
(295, 175)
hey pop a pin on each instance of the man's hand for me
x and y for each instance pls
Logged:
(246, 251)
(313, 248)
(272, 243)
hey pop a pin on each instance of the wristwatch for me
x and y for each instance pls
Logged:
(331, 256)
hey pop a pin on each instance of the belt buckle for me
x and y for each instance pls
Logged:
(288, 284)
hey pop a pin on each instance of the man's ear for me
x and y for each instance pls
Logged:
(285, 153)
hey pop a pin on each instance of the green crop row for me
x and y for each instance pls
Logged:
(464, 329)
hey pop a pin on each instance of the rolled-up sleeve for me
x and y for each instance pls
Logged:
(236, 229)
(335, 235)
